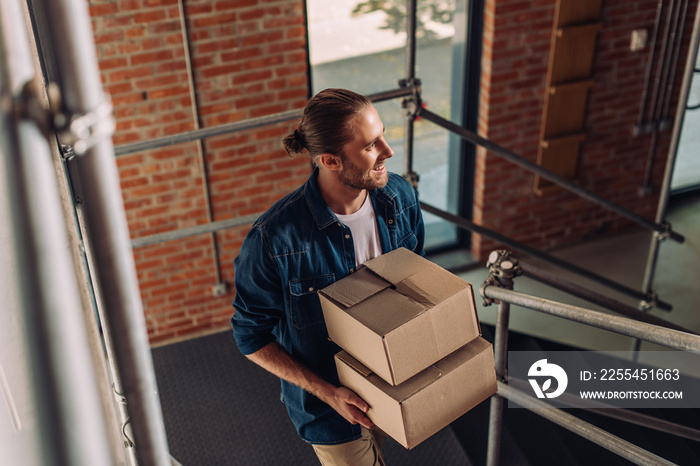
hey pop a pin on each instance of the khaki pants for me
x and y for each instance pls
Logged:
(365, 451)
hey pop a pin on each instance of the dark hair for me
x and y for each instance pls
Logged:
(326, 123)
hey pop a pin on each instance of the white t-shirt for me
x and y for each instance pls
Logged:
(365, 235)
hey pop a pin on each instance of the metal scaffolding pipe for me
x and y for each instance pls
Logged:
(493, 447)
(228, 128)
(673, 152)
(661, 70)
(81, 86)
(670, 85)
(471, 226)
(193, 231)
(567, 400)
(548, 174)
(664, 98)
(622, 325)
(649, 67)
(579, 291)
(410, 82)
(588, 431)
(66, 415)
(411, 9)
(200, 143)
(650, 422)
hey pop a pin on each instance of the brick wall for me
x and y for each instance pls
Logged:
(248, 60)
(517, 37)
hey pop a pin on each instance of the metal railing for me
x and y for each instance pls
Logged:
(68, 39)
(60, 406)
(410, 91)
(236, 126)
(503, 270)
(466, 224)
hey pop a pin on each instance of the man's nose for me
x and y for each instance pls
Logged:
(386, 153)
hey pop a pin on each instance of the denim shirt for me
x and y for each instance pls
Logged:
(293, 250)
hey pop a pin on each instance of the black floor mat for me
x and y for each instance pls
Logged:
(221, 409)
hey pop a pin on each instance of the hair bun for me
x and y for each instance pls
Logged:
(294, 143)
(298, 138)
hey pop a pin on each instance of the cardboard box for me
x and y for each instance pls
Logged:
(399, 314)
(423, 405)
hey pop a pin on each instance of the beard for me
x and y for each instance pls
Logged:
(353, 176)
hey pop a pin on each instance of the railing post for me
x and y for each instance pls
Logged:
(656, 239)
(86, 111)
(411, 103)
(502, 270)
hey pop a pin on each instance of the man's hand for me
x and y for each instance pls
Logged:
(350, 406)
(277, 361)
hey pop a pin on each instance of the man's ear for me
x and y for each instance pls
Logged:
(330, 161)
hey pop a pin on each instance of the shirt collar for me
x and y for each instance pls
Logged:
(323, 215)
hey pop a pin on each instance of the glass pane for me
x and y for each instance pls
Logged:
(686, 172)
(361, 45)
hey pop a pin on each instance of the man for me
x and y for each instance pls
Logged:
(349, 211)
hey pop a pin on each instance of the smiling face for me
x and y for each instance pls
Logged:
(364, 156)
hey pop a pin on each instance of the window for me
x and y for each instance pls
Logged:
(686, 173)
(361, 45)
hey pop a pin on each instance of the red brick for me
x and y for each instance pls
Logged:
(214, 46)
(213, 20)
(102, 9)
(114, 36)
(156, 3)
(168, 92)
(127, 5)
(150, 57)
(263, 38)
(221, 70)
(223, 5)
(149, 16)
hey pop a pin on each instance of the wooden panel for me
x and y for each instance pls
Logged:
(565, 109)
(577, 11)
(576, 24)
(572, 55)
(559, 155)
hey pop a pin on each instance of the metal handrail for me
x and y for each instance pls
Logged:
(607, 410)
(555, 178)
(582, 428)
(503, 292)
(582, 292)
(534, 252)
(662, 336)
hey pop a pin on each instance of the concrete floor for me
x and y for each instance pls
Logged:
(621, 258)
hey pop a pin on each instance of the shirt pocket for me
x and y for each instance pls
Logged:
(409, 242)
(305, 304)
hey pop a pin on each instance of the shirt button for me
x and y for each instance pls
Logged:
(339, 224)
(311, 288)
(352, 270)
(391, 222)
(347, 236)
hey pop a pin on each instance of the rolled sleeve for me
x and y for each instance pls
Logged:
(259, 301)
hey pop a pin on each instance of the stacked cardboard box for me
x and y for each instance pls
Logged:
(412, 344)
